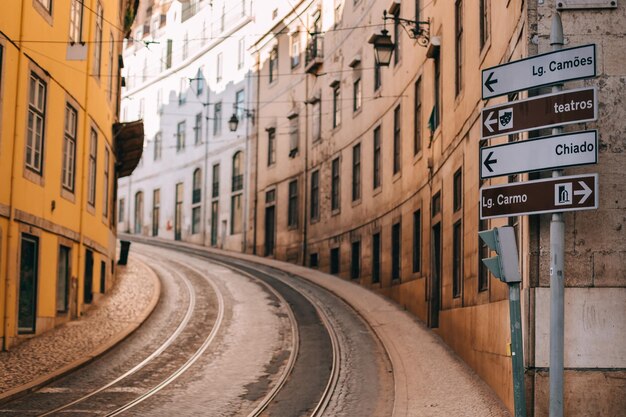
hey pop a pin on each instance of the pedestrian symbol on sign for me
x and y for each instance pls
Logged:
(563, 194)
(505, 118)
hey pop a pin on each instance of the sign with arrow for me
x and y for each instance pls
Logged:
(572, 193)
(550, 152)
(562, 108)
(539, 70)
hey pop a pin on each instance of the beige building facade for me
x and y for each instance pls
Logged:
(371, 173)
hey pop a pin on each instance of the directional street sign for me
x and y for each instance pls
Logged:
(562, 108)
(550, 152)
(573, 193)
(539, 70)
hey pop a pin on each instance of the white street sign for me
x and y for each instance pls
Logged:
(551, 152)
(539, 70)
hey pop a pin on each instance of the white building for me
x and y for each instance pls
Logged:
(187, 71)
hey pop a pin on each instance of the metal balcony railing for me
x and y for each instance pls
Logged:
(237, 182)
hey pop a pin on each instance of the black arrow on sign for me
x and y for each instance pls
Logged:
(489, 81)
(489, 161)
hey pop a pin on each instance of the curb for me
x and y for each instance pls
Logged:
(40, 381)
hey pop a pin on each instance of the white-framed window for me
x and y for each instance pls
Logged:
(69, 148)
(93, 156)
(105, 195)
(180, 136)
(97, 49)
(36, 124)
(218, 67)
(76, 21)
(295, 49)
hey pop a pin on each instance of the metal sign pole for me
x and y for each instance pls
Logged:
(557, 252)
(517, 350)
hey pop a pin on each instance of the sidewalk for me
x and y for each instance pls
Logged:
(51, 355)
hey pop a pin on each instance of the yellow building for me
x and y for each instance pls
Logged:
(60, 155)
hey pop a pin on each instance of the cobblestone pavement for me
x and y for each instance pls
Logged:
(58, 351)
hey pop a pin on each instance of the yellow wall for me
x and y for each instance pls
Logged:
(36, 204)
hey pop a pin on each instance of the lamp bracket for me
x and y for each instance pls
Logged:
(416, 29)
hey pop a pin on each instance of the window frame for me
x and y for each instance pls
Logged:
(35, 163)
(356, 172)
(181, 128)
(292, 204)
(69, 156)
(93, 165)
(397, 139)
(335, 185)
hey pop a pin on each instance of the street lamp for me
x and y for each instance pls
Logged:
(384, 46)
(233, 122)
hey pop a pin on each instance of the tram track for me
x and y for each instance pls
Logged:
(303, 384)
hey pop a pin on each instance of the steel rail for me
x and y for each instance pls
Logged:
(179, 329)
(205, 345)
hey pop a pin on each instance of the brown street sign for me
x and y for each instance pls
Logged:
(572, 193)
(562, 108)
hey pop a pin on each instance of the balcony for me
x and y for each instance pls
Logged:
(314, 54)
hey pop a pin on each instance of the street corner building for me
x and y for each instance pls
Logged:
(62, 149)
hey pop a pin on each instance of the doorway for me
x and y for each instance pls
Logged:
(63, 279)
(435, 278)
(88, 288)
(270, 229)
(29, 268)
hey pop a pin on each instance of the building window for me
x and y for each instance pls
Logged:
(376, 258)
(292, 213)
(417, 241)
(121, 210)
(376, 164)
(196, 196)
(158, 146)
(237, 179)
(395, 251)
(315, 195)
(69, 148)
(182, 91)
(397, 140)
(356, 172)
(156, 206)
(36, 124)
(335, 194)
(317, 120)
(417, 118)
(199, 81)
(236, 213)
(217, 119)
(242, 53)
(218, 67)
(214, 221)
(484, 6)
(458, 190)
(239, 108)
(436, 204)
(178, 211)
(97, 48)
(271, 146)
(196, 200)
(357, 96)
(47, 5)
(435, 117)
(180, 136)
(197, 130)
(294, 134)
(334, 261)
(168, 54)
(105, 195)
(396, 35)
(457, 259)
(459, 46)
(336, 106)
(295, 49)
(215, 187)
(93, 155)
(273, 68)
(314, 260)
(355, 262)
(377, 77)
(76, 21)
(138, 212)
